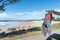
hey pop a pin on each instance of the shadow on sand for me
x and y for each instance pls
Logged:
(54, 37)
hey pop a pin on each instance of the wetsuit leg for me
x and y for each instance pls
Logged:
(49, 30)
(44, 30)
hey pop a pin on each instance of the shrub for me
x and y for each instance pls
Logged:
(34, 29)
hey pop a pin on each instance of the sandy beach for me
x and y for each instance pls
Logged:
(32, 24)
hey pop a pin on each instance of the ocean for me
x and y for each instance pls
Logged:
(5, 25)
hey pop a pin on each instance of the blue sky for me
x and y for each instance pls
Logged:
(30, 9)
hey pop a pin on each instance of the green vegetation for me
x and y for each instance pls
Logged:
(13, 32)
(55, 26)
(24, 33)
(54, 37)
(56, 19)
(4, 3)
(34, 29)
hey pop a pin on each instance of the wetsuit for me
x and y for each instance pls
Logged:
(46, 24)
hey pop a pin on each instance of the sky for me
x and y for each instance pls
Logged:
(29, 9)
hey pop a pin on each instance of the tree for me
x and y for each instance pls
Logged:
(53, 11)
(4, 3)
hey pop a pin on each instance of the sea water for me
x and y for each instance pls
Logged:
(5, 25)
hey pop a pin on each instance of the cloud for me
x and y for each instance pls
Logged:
(23, 15)
(20, 14)
(32, 15)
(57, 10)
(34, 12)
(3, 15)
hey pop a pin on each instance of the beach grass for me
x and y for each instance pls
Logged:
(55, 26)
(16, 37)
